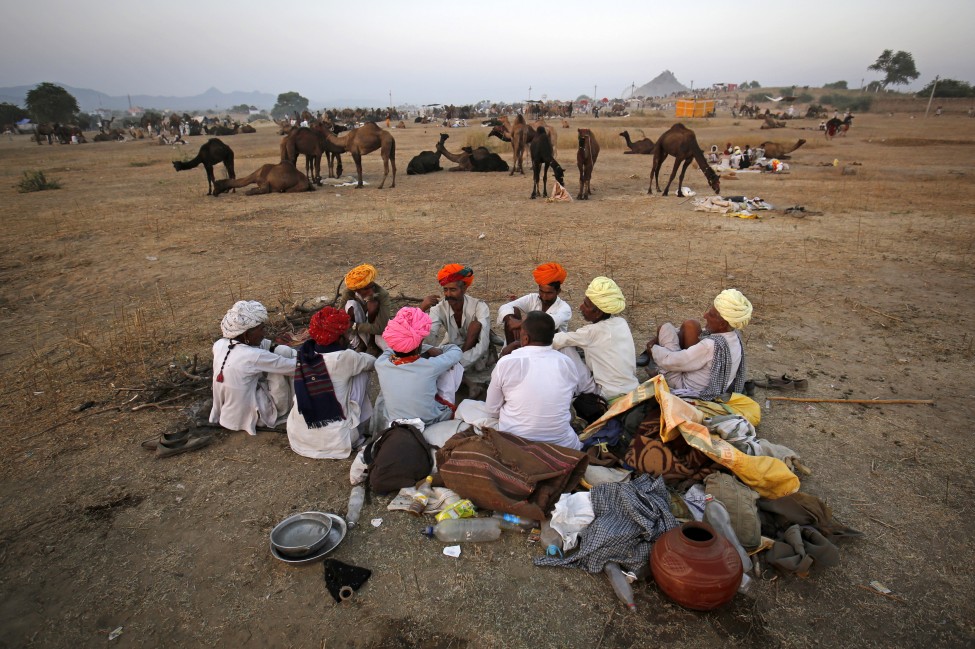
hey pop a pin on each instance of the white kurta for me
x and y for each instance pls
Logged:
(690, 369)
(349, 372)
(560, 310)
(257, 386)
(530, 396)
(609, 351)
(445, 330)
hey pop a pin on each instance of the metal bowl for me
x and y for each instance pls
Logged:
(335, 537)
(301, 534)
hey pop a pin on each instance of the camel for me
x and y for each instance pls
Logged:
(462, 159)
(400, 124)
(837, 126)
(363, 141)
(48, 131)
(426, 161)
(641, 147)
(516, 134)
(247, 128)
(680, 142)
(224, 130)
(771, 122)
(113, 135)
(780, 151)
(333, 152)
(283, 177)
(586, 159)
(553, 135)
(211, 153)
(543, 154)
(311, 143)
(482, 159)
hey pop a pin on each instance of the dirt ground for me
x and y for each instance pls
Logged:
(129, 267)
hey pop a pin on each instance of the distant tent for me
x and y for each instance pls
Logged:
(695, 107)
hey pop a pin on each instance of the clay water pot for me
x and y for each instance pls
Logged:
(696, 567)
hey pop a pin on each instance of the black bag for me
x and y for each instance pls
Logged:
(399, 457)
(590, 406)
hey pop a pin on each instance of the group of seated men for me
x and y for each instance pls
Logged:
(422, 355)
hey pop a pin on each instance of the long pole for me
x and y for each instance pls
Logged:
(931, 98)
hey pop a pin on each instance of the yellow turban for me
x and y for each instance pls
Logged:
(734, 308)
(360, 277)
(606, 295)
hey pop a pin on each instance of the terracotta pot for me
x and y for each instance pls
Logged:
(696, 567)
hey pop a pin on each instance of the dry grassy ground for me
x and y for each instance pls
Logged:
(129, 267)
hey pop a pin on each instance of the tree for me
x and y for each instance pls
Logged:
(51, 103)
(10, 114)
(898, 68)
(836, 85)
(288, 103)
(948, 88)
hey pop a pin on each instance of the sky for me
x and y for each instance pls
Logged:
(437, 51)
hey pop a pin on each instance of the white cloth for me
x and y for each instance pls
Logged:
(690, 369)
(530, 396)
(359, 316)
(573, 513)
(610, 354)
(445, 330)
(560, 310)
(257, 387)
(349, 373)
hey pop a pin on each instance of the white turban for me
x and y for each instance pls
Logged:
(242, 316)
(606, 295)
(733, 307)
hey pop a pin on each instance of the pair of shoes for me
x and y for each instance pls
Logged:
(749, 388)
(165, 448)
(786, 382)
(169, 438)
(643, 359)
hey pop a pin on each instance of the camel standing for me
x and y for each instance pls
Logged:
(363, 141)
(680, 142)
(283, 177)
(211, 153)
(516, 134)
(641, 147)
(311, 143)
(586, 159)
(543, 154)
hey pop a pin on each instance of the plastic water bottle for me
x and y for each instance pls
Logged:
(356, 498)
(716, 514)
(424, 491)
(465, 530)
(551, 540)
(514, 523)
(620, 584)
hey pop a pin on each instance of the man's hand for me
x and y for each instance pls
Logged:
(429, 302)
(510, 347)
(372, 309)
(650, 344)
(433, 352)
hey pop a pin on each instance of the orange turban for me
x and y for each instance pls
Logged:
(548, 273)
(455, 273)
(360, 277)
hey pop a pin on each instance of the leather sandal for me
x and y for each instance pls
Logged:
(643, 360)
(169, 438)
(786, 382)
(191, 443)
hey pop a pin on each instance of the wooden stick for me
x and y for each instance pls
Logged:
(924, 402)
(88, 413)
(887, 595)
(157, 404)
(886, 315)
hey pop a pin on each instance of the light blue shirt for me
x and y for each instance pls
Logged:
(410, 390)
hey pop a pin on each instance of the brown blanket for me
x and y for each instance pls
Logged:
(505, 473)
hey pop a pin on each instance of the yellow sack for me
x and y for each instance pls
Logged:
(770, 477)
(737, 404)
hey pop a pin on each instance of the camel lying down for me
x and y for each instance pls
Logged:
(270, 179)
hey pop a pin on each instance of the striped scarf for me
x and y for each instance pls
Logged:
(721, 369)
(313, 386)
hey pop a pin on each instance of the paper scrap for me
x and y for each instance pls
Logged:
(115, 633)
(879, 587)
(376, 522)
(452, 551)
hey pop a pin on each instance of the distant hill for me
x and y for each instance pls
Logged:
(664, 84)
(90, 100)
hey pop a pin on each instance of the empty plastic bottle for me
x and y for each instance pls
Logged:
(514, 523)
(424, 492)
(460, 530)
(620, 584)
(551, 540)
(718, 517)
(356, 498)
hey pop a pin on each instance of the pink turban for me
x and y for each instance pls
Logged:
(407, 329)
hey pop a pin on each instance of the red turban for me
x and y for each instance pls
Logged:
(328, 324)
(548, 273)
(455, 273)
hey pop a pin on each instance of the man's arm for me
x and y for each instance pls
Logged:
(578, 338)
(377, 314)
(684, 360)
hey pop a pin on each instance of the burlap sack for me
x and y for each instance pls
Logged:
(742, 505)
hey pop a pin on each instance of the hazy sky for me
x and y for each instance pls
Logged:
(461, 52)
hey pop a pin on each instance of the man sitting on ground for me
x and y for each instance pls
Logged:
(705, 366)
(417, 381)
(531, 389)
(549, 278)
(609, 369)
(368, 304)
(252, 385)
(331, 390)
(460, 319)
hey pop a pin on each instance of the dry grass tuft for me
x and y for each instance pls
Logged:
(35, 181)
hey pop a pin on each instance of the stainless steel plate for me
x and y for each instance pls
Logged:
(302, 534)
(334, 538)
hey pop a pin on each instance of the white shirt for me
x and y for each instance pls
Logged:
(610, 355)
(560, 311)
(334, 440)
(531, 393)
(243, 400)
(690, 369)
(445, 329)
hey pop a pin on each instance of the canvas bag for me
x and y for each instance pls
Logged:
(399, 457)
